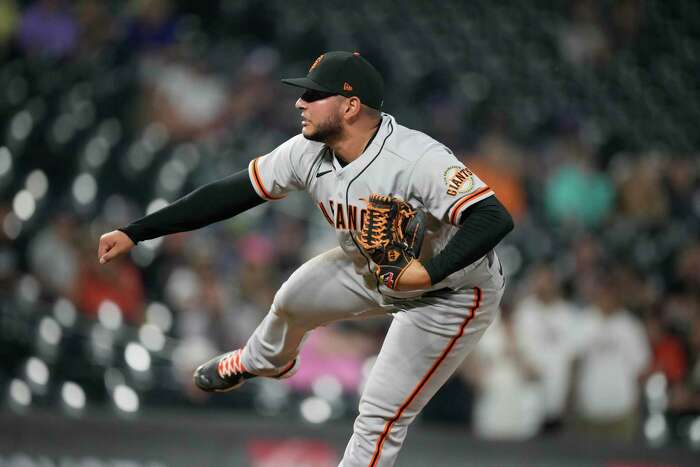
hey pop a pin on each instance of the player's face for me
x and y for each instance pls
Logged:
(320, 115)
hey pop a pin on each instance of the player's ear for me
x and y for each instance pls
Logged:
(353, 107)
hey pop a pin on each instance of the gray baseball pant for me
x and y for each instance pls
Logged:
(428, 339)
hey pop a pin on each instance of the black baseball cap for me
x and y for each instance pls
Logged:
(345, 73)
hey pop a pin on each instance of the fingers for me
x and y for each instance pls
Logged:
(112, 245)
(106, 250)
(103, 247)
(112, 252)
(107, 257)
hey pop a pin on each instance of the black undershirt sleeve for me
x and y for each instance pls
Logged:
(210, 203)
(483, 225)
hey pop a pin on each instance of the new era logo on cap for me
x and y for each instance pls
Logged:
(347, 86)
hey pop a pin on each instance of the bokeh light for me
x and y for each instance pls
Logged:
(73, 396)
(125, 399)
(315, 410)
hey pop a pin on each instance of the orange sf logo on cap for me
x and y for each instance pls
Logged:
(316, 62)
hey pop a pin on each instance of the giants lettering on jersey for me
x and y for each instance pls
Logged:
(458, 179)
(343, 217)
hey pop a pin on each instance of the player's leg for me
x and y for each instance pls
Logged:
(424, 346)
(323, 290)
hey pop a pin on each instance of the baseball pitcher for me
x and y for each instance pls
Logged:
(416, 231)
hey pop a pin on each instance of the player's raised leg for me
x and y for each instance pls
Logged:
(324, 289)
(416, 359)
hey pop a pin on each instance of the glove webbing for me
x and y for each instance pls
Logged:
(384, 222)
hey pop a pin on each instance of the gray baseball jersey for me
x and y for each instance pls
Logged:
(432, 330)
(399, 161)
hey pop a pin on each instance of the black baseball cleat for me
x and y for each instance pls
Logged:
(226, 372)
(223, 373)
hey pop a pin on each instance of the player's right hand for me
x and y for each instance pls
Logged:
(113, 244)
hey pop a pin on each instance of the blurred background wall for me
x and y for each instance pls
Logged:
(582, 116)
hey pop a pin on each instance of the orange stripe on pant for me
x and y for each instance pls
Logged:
(428, 375)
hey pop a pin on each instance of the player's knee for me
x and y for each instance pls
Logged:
(283, 310)
(289, 305)
(374, 419)
(368, 427)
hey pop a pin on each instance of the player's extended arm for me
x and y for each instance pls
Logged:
(210, 203)
(483, 226)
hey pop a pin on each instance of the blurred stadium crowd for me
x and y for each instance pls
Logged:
(581, 116)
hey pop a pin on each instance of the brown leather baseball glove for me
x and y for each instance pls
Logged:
(391, 235)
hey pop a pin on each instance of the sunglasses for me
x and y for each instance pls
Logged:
(311, 95)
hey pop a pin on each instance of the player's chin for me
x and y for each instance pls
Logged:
(308, 133)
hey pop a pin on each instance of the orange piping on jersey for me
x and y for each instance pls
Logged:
(258, 182)
(462, 203)
(428, 375)
(325, 214)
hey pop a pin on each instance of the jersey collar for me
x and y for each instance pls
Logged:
(374, 144)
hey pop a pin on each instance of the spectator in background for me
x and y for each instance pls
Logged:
(151, 26)
(687, 268)
(498, 163)
(584, 257)
(290, 246)
(674, 331)
(184, 96)
(614, 354)
(208, 318)
(577, 196)
(545, 326)
(196, 294)
(509, 402)
(681, 182)
(253, 90)
(97, 26)
(53, 256)
(49, 29)
(667, 348)
(688, 396)
(257, 281)
(182, 92)
(339, 351)
(8, 23)
(641, 194)
(583, 41)
(120, 283)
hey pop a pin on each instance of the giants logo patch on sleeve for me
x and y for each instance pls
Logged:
(459, 180)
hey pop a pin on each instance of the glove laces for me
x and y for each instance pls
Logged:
(375, 232)
(383, 222)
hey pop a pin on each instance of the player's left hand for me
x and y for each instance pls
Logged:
(392, 235)
(415, 277)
